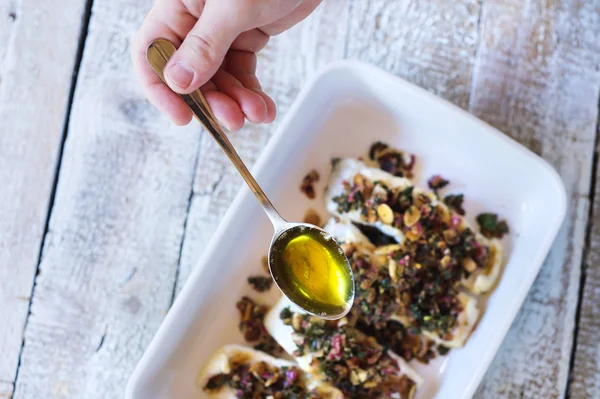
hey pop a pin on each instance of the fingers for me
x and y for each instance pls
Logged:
(252, 104)
(253, 40)
(283, 24)
(226, 110)
(203, 50)
(237, 93)
(157, 25)
(242, 66)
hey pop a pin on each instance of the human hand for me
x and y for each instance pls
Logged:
(217, 43)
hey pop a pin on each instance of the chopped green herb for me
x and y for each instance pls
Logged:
(392, 160)
(456, 203)
(491, 227)
(437, 182)
(285, 313)
(260, 283)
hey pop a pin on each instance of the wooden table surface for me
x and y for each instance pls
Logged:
(105, 206)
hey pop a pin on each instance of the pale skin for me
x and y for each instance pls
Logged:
(217, 42)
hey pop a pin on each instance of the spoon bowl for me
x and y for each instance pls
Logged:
(307, 264)
(311, 269)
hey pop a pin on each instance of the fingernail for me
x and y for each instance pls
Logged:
(180, 74)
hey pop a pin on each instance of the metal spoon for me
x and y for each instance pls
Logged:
(158, 54)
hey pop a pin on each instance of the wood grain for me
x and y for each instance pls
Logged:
(536, 78)
(585, 376)
(113, 245)
(283, 67)
(430, 43)
(37, 55)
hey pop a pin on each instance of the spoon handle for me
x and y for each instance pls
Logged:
(158, 54)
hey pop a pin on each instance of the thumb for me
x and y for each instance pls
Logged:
(203, 50)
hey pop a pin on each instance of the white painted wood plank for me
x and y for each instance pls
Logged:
(585, 375)
(38, 46)
(282, 67)
(430, 43)
(537, 79)
(111, 254)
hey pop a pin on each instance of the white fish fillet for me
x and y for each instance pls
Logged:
(221, 360)
(479, 283)
(345, 170)
(282, 333)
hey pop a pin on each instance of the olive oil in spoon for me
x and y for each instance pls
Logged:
(306, 262)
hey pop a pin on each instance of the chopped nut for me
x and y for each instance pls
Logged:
(239, 358)
(393, 268)
(362, 375)
(298, 338)
(257, 369)
(412, 216)
(371, 296)
(371, 216)
(387, 249)
(312, 217)
(400, 270)
(385, 213)
(444, 214)
(451, 236)
(405, 298)
(316, 321)
(412, 391)
(318, 353)
(247, 312)
(307, 186)
(354, 377)
(296, 321)
(445, 262)
(380, 260)
(469, 265)
(370, 384)
(421, 199)
(414, 233)
(272, 380)
(359, 180)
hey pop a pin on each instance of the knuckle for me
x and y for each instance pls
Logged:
(202, 48)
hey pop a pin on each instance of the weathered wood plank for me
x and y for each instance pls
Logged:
(283, 67)
(37, 55)
(111, 253)
(585, 375)
(430, 43)
(537, 79)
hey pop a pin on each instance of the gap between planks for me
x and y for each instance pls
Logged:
(586, 252)
(185, 222)
(87, 14)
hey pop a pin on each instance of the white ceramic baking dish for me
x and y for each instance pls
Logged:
(341, 111)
